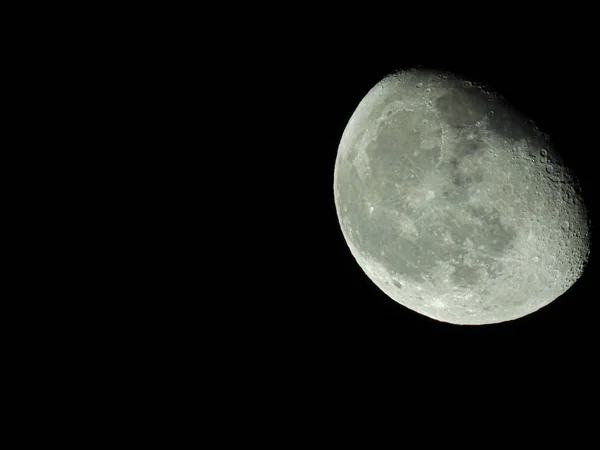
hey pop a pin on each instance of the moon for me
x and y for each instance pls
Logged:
(455, 204)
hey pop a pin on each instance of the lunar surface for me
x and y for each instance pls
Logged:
(456, 205)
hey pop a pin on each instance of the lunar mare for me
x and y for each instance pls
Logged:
(455, 204)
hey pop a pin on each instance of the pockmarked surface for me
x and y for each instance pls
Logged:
(455, 204)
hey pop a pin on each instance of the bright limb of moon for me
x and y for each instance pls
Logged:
(454, 204)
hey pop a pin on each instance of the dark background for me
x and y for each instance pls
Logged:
(327, 317)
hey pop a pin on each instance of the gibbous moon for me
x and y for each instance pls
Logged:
(456, 205)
